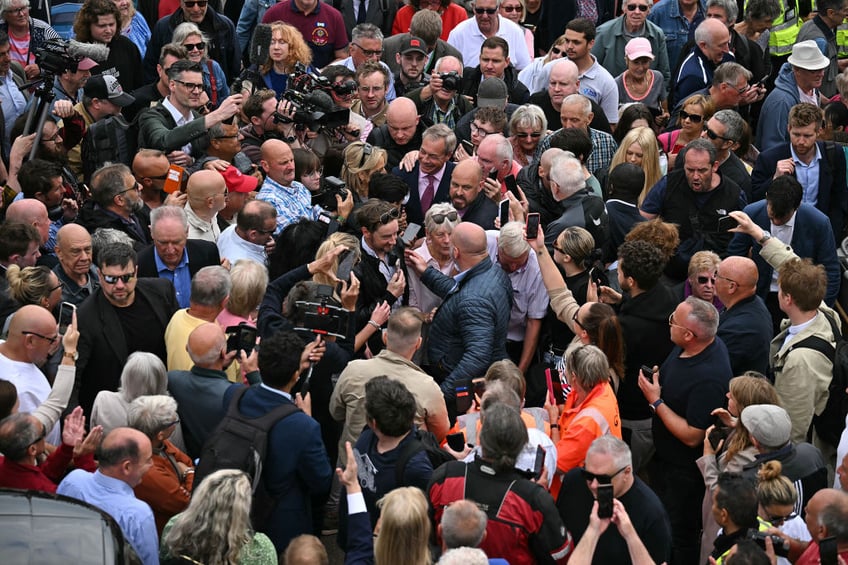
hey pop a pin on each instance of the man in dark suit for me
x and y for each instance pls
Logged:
(172, 256)
(427, 25)
(381, 13)
(807, 230)
(125, 314)
(818, 166)
(467, 196)
(429, 180)
(297, 471)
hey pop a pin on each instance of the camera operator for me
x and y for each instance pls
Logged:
(411, 59)
(174, 126)
(259, 109)
(440, 102)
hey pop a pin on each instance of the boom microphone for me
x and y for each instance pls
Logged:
(91, 50)
(321, 100)
(260, 45)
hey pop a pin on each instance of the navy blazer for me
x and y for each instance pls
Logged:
(201, 253)
(414, 213)
(833, 191)
(812, 238)
(296, 469)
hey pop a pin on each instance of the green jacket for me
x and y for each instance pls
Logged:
(158, 130)
(610, 41)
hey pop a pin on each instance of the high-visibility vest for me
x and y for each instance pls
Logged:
(784, 30)
(842, 41)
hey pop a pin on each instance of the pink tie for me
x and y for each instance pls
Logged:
(429, 194)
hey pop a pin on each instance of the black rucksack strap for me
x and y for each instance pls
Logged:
(409, 451)
(264, 422)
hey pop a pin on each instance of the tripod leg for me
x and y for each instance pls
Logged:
(43, 109)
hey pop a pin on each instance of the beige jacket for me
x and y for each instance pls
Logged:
(347, 403)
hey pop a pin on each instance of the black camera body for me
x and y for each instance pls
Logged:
(313, 107)
(781, 546)
(451, 80)
(321, 315)
(326, 197)
(53, 58)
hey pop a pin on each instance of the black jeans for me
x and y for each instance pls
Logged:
(681, 490)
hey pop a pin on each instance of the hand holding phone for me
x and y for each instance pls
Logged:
(66, 316)
(410, 233)
(503, 212)
(531, 230)
(605, 496)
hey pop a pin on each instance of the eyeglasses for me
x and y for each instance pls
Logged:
(193, 3)
(511, 9)
(368, 52)
(602, 479)
(54, 138)
(482, 11)
(529, 134)
(479, 131)
(634, 7)
(40, 437)
(52, 340)
(387, 217)
(740, 89)
(718, 276)
(195, 46)
(576, 321)
(17, 11)
(556, 51)
(57, 287)
(705, 280)
(440, 218)
(160, 177)
(191, 85)
(671, 322)
(778, 520)
(694, 118)
(713, 135)
(113, 279)
(168, 425)
(367, 149)
(135, 186)
(266, 232)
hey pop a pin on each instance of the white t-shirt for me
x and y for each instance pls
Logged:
(33, 389)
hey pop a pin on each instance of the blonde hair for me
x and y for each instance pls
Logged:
(703, 261)
(305, 550)
(404, 528)
(250, 280)
(773, 487)
(333, 241)
(216, 525)
(701, 100)
(746, 391)
(30, 285)
(650, 156)
(353, 156)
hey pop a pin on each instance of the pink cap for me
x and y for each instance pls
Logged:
(86, 64)
(638, 47)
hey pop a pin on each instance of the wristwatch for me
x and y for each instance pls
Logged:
(655, 404)
(71, 355)
(766, 236)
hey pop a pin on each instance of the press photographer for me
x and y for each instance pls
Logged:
(434, 100)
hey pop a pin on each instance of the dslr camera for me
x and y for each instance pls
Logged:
(781, 546)
(451, 80)
(326, 196)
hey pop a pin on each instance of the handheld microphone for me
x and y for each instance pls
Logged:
(260, 45)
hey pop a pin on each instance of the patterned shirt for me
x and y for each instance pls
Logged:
(292, 202)
(603, 148)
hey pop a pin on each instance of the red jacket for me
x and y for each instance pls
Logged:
(45, 477)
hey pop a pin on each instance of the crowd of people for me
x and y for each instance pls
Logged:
(483, 281)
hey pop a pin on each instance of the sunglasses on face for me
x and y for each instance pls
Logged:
(195, 46)
(705, 280)
(440, 218)
(113, 279)
(193, 3)
(778, 520)
(602, 479)
(713, 135)
(556, 51)
(694, 118)
(482, 11)
(529, 134)
(511, 9)
(634, 7)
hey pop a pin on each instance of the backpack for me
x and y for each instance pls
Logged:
(422, 441)
(241, 443)
(830, 423)
(106, 141)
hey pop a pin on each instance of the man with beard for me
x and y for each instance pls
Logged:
(115, 201)
(68, 85)
(174, 126)
(125, 314)
(467, 196)
(411, 59)
(372, 83)
(42, 180)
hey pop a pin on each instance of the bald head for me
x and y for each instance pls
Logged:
(31, 212)
(32, 318)
(273, 147)
(736, 280)
(205, 345)
(70, 232)
(125, 454)
(469, 239)
(447, 64)
(206, 193)
(827, 515)
(401, 108)
(150, 163)
(470, 168)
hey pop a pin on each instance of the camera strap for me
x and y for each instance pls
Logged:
(213, 82)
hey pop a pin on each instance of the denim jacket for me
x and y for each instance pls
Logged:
(71, 291)
(251, 14)
(666, 14)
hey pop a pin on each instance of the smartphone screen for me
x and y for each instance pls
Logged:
(464, 397)
(468, 146)
(512, 186)
(66, 316)
(726, 223)
(345, 265)
(247, 339)
(540, 462)
(532, 228)
(410, 233)
(503, 212)
(604, 501)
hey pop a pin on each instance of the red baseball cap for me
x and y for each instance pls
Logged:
(237, 181)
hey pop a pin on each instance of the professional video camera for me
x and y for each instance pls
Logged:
(312, 107)
(320, 314)
(326, 196)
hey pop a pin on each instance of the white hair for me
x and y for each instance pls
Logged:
(567, 173)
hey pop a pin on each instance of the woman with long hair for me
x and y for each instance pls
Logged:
(287, 47)
(361, 161)
(694, 113)
(631, 117)
(196, 43)
(535, 75)
(451, 13)
(733, 453)
(640, 148)
(100, 21)
(597, 324)
(134, 26)
(215, 528)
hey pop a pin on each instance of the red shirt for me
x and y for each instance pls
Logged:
(45, 477)
(811, 555)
